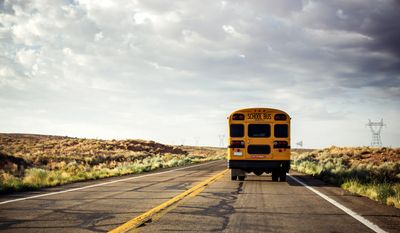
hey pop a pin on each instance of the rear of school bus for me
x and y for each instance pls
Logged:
(259, 142)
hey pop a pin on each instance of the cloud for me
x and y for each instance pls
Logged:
(132, 68)
(371, 19)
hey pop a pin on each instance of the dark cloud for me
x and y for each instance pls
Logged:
(381, 24)
(377, 20)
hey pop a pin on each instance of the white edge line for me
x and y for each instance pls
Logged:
(101, 184)
(348, 211)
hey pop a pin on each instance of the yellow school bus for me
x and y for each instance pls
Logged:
(259, 142)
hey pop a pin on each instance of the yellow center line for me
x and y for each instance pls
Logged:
(145, 217)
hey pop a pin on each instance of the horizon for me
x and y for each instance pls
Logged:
(191, 145)
(171, 72)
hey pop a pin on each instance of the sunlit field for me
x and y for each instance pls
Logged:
(370, 172)
(31, 162)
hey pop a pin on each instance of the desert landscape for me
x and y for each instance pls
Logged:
(366, 171)
(34, 161)
(31, 162)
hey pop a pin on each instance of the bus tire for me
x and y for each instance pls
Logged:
(233, 177)
(282, 176)
(274, 175)
(241, 178)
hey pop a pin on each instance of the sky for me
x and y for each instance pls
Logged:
(172, 71)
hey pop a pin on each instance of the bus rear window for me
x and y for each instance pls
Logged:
(281, 131)
(236, 130)
(259, 130)
(258, 149)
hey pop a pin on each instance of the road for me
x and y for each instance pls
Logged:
(254, 205)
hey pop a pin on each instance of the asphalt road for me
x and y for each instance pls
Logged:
(254, 205)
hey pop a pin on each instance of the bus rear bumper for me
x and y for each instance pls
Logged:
(260, 165)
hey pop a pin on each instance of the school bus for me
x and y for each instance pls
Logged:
(259, 142)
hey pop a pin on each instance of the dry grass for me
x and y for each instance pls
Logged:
(34, 161)
(371, 172)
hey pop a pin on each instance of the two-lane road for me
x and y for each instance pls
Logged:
(254, 205)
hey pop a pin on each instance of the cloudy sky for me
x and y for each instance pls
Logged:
(172, 71)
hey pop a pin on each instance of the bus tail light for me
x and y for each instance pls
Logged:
(280, 117)
(281, 145)
(238, 116)
(236, 144)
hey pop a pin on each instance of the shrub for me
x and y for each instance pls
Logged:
(338, 166)
(384, 191)
(35, 177)
(9, 182)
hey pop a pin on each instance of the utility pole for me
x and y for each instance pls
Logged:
(376, 128)
(196, 140)
(221, 140)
